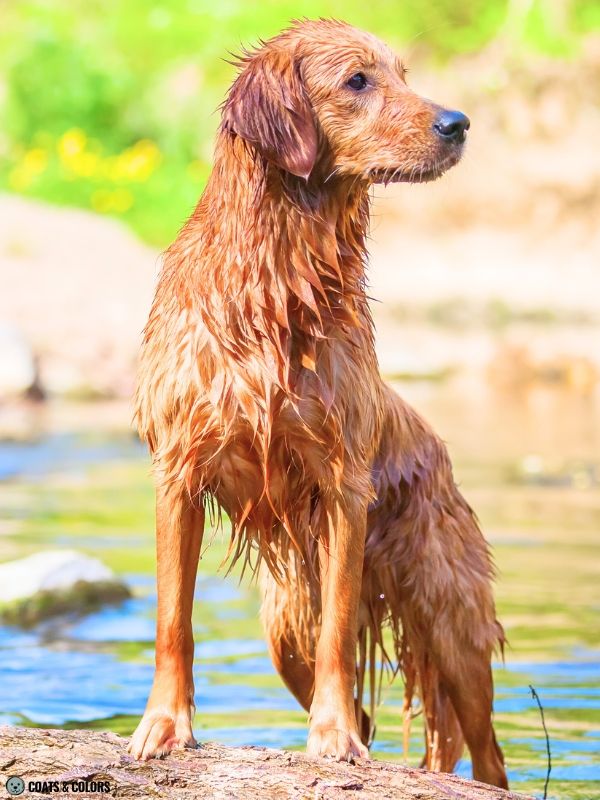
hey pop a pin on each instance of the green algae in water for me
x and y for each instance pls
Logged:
(82, 598)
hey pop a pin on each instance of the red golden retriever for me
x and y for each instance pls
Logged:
(260, 395)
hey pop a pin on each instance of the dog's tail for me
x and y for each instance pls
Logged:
(380, 659)
(444, 742)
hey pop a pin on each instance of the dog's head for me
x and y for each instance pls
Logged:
(324, 99)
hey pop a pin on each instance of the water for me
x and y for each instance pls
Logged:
(64, 453)
(93, 492)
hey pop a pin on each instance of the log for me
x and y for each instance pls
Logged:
(89, 764)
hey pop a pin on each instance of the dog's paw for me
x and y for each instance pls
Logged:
(338, 743)
(158, 734)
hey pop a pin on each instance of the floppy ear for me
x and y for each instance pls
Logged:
(268, 107)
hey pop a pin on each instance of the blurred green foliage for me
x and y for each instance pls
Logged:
(111, 105)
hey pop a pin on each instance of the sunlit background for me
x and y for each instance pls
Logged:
(486, 292)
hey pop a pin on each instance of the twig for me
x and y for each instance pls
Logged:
(535, 696)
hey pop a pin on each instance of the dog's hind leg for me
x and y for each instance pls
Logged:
(290, 615)
(434, 570)
(470, 687)
(456, 691)
(291, 618)
(449, 631)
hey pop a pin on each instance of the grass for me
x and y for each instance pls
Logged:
(111, 106)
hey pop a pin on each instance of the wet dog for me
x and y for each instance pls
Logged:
(259, 394)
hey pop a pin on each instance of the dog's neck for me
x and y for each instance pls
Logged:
(257, 218)
(280, 259)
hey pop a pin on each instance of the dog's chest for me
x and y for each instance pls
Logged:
(280, 443)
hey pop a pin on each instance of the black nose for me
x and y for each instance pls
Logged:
(452, 126)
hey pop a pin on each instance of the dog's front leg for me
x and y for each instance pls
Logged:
(333, 728)
(167, 721)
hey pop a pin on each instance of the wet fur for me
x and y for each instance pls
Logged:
(259, 393)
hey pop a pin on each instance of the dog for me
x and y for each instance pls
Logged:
(259, 394)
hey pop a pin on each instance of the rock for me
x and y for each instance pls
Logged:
(55, 582)
(17, 365)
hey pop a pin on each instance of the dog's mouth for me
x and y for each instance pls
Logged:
(423, 173)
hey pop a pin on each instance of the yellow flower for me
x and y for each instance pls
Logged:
(85, 164)
(138, 162)
(105, 201)
(77, 158)
(83, 158)
(18, 180)
(122, 200)
(110, 168)
(35, 160)
(32, 164)
(71, 143)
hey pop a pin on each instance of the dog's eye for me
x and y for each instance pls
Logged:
(357, 82)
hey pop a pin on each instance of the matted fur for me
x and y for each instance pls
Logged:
(259, 393)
